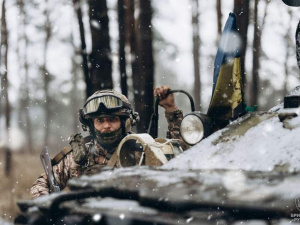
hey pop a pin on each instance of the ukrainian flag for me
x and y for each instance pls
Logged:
(227, 100)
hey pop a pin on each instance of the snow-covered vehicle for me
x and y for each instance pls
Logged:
(247, 171)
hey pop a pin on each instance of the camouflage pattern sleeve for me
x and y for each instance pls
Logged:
(174, 120)
(63, 171)
(40, 187)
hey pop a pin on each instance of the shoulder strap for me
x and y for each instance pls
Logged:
(63, 153)
(113, 160)
(87, 139)
(66, 150)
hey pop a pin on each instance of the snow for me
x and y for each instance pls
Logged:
(44, 200)
(239, 186)
(3, 222)
(129, 172)
(117, 204)
(263, 147)
(241, 190)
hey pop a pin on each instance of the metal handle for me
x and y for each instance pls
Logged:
(153, 125)
(175, 91)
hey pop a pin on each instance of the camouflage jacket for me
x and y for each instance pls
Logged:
(67, 168)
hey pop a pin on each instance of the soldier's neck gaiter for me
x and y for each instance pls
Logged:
(109, 140)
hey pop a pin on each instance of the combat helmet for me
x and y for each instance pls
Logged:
(108, 103)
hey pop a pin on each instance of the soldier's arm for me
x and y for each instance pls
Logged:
(174, 120)
(40, 186)
(63, 171)
(173, 115)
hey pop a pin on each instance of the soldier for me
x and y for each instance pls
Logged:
(108, 115)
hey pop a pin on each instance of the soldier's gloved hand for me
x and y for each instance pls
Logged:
(166, 98)
(79, 149)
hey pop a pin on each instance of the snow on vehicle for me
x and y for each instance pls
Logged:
(247, 171)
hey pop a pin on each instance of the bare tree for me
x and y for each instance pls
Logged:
(73, 93)
(297, 37)
(83, 52)
(130, 38)
(289, 45)
(100, 57)
(47, 76)
(122, 59)
(241, 10)
(255, 61)
(256, 53)
(144, 80)
(196, 54)
(4, 54)
(219, 16)
(25, 98)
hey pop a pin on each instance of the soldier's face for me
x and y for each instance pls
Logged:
(107, 124)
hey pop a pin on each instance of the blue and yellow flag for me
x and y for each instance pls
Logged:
(227, 100)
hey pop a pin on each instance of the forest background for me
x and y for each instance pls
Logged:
(56, 53)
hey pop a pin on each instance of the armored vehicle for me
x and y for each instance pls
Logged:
(248, 171)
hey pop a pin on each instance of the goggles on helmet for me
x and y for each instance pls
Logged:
(109, 102)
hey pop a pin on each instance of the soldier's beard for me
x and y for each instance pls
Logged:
(109, 140)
